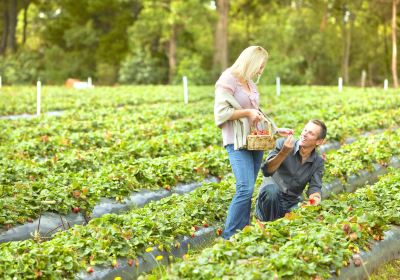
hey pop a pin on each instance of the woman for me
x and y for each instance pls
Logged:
(236, 109)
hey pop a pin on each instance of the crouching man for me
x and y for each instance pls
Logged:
(288, 169)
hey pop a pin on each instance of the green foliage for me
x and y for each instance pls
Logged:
(143, 68)
(20, 68)
(191, 67)
(129, 40)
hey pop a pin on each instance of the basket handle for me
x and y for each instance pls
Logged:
(253, 128)
(269, 126)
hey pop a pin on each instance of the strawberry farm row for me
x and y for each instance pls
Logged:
(80, 179)
(19, 100)
(311, 241)
(20, 205)
(47, 141)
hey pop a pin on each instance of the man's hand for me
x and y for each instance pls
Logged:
(314, 199)
(288, 145)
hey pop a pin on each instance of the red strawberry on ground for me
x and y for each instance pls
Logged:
(346, 228)
(89, 269)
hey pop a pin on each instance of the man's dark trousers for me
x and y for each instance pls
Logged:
(273, 204)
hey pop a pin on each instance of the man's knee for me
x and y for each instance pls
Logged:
(269, 192)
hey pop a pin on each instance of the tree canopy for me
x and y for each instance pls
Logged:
(157, 42)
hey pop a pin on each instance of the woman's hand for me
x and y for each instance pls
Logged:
(255, 116)
(283, 131)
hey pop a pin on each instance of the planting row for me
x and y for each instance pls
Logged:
(80, 182)
(317, 102)
(81, 179)
(161, 224)
(310, 243)
(46, 145)
(19, 100)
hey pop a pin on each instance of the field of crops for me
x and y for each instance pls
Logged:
(124, 172)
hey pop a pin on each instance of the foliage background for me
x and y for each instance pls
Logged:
(129, 41)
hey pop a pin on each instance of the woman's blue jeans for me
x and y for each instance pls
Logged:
(245, 166)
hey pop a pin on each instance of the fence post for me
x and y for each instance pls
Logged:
(185, 90)
(278, 86)
(38, 97)
(340, 84)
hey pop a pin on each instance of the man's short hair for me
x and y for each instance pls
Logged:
(324, 130)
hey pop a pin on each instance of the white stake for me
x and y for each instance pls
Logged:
(340, 84)
(363, 78)
(1, 82)
(385, 84)
(185, 90)
(89, 81)
(278, 86)
(39, 89)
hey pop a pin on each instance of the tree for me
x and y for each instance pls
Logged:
(220, 60)
(394, 43)
(179, 32)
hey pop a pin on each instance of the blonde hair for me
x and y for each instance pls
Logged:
(249, 62)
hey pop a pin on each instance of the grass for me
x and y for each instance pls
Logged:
(388, 271)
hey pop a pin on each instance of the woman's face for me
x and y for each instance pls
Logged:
(260, 69)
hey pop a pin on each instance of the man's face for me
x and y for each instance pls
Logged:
(309, 135)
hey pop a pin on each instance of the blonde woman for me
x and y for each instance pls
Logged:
(236, 108)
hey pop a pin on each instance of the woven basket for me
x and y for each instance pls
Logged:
(261, 142)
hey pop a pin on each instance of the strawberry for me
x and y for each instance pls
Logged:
(196, 228)
(312, 201)
(192, 235)
(38, 274)
(353, 236)
(30, 220)
(130, 262)
(205, 225)
(115, 264)
(76, 193)
(167, 187)
(76, 209)
(89, 269)
(219, 231)
(346, 228)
